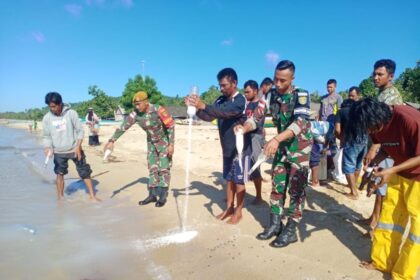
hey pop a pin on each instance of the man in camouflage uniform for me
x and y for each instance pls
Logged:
(291, 147)
(160, 129)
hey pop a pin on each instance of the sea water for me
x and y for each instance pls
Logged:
(43, 238)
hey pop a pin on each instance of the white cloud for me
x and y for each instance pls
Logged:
(74, 9)
(272, 57)
(38, 36)
(227, 42)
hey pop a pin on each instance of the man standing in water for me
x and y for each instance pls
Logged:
(290, 108)
(160, 129)
(63, 136)
(228, 109)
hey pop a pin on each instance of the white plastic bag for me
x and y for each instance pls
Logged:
(338, 174)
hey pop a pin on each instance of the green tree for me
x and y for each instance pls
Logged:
(344, 94)
(315, 97)
(137, 84)
(409, 84)
(102, 104)
(36, 113)
(210, 95)
(28, 114)
(174, 101)
(367, 88)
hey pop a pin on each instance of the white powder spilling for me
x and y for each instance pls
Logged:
(187, 177)
(175, 238)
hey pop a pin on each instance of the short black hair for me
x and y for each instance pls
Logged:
(252, 84)
(286, 64)
(357, 89)
(332, 81)
(389, 65)
(367, 114)
(53, 97)
(266, 81)
(228, 73)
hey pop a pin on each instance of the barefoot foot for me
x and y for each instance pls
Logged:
(95, 199)
(257, 201)
(367, 265)
(365, 222)
(227, 213)
(235, 219)
(352, 196)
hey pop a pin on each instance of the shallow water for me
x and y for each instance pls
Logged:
(42, 238)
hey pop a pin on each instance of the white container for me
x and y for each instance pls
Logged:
(239, 137)
(191, 110)
(47, 158)
(108, 152)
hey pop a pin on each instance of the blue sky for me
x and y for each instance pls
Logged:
(65, 46)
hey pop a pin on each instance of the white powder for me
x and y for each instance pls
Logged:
(175, 238)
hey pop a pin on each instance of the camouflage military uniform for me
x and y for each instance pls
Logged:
(390, 96)
(291, 161)
(160, 129)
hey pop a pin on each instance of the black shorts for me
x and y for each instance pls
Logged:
(61, 165)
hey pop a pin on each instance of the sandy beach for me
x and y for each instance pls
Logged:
(331, 242)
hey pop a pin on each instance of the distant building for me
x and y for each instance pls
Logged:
(119, 113)
(177, 112)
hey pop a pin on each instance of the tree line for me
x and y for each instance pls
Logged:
(408, 83)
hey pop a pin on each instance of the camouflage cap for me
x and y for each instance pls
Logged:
(139, 96)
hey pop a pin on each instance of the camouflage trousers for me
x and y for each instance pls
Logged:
(290, 176)
(159, 165)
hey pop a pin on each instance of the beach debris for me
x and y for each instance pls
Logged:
(29, 229)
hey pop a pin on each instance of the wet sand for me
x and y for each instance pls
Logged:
(331, 243)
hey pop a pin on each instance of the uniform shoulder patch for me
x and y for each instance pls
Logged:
(166, 118)
(303, 97)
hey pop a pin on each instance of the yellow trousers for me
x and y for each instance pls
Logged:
(402, 202)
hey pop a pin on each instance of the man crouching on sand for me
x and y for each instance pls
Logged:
(63, 136)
